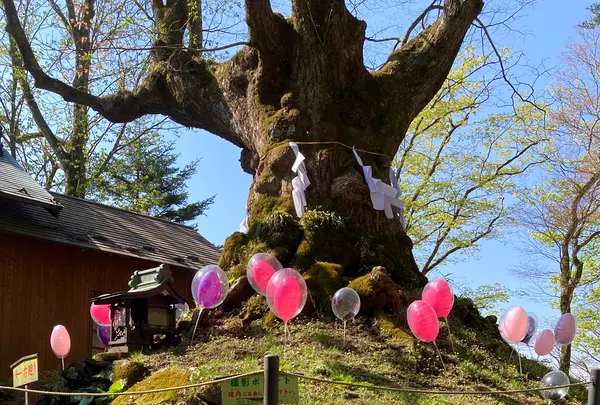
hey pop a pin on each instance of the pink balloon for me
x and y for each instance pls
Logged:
(287, 298)
(423, 321)
(60, 341)
(100, 314)
(263, 271)
(438, 294)
(544, 343)
(286, 294)
(515, 325)
(565, 329)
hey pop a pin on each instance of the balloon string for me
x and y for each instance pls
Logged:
(511, 353)
(344, 333)
(196, 326)
(62, 359)
(450, 335)
(285, 329)
(520, 365)
(440, 354)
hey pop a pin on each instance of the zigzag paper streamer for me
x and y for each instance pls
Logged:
(383, 196)
(299, 183)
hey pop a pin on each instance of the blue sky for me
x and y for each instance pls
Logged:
(549, 25)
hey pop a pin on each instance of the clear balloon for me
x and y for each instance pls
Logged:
(210, 287)
(423, 321)
(555, 379)
(260, 269)
(345, 304)
(513, 324)
(544, 343)
(104, 335)
(532, 326)
(100, 314)
(438, 294)
(565, 329)
(60, 341)
(181, 310)
(286, 294)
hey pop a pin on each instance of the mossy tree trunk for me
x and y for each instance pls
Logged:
(298, 79)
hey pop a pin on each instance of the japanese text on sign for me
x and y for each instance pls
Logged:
(250, 390)
(25, 371)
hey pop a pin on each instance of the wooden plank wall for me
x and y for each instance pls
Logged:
(43, 284)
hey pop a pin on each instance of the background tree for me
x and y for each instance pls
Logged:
(73, 146)
(563, 212)
(144, 179)
(488, 297)
(458, 172)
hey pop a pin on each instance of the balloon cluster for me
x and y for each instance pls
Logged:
(101, 316)
(519, 327)
(437, 301)
(284, 289)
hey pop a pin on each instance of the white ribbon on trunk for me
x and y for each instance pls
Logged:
(384, 197)
(299, 183)
(244, 227)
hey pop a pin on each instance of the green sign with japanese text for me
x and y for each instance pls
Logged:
(250, 390)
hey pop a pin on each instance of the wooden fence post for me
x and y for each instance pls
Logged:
(594, 390)
(271, 380)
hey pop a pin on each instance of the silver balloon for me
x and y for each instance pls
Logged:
(555, 379)
(345, 303)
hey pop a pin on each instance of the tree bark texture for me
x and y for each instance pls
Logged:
(299, 79)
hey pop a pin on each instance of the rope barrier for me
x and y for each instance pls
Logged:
(344, 145)
(433, 392)
(300, 376)
(107, 394)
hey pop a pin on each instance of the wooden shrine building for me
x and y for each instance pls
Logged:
(57, 252)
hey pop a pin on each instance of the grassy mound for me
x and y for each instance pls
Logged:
(376, 353)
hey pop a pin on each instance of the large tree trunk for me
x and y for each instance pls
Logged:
(300, 79)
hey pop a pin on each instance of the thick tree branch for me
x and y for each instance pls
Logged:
(262, 25)
(414, 73)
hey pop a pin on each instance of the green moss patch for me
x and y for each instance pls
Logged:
(170, 377)
(323, 280)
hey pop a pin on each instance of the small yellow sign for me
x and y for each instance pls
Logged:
(25, 371)
(250, 390)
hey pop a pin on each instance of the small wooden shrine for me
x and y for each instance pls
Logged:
(145, 311)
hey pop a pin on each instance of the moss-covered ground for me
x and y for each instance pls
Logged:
(376, 353)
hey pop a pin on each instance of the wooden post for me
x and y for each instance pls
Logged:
(271, 380)
(594, 390)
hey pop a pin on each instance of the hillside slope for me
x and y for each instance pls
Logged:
(376, 353)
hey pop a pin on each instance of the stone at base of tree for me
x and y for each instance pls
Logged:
(239, 293)
(378, 291)
(255, 308)
(466, 311)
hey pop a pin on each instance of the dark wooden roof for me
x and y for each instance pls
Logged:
(16, 184)
(145, 284)
(91, 225)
